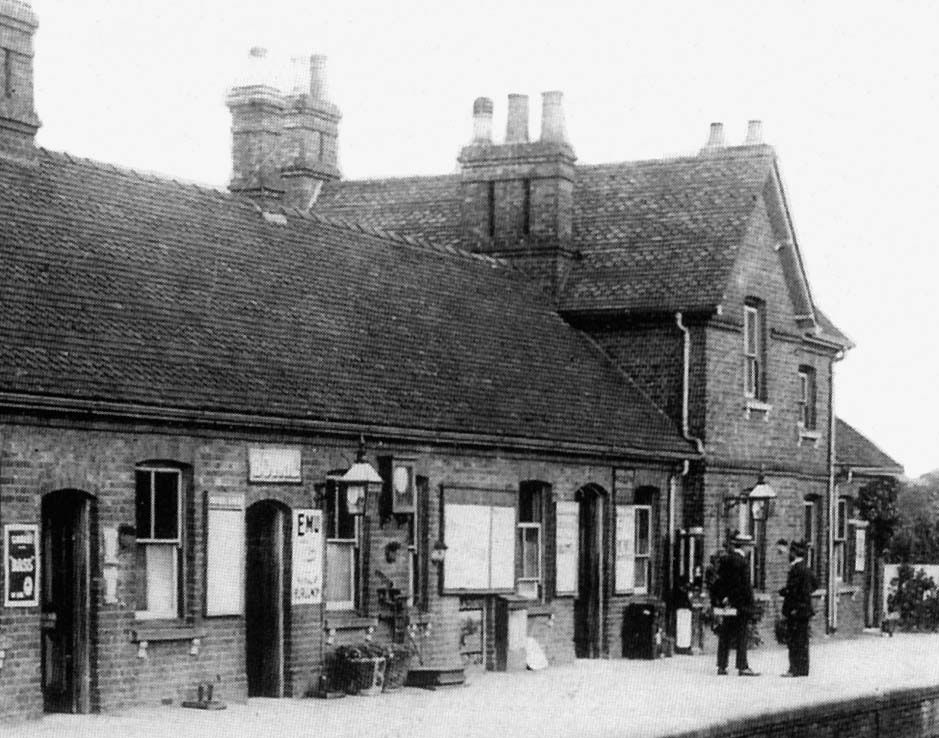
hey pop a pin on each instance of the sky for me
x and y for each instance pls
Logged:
(848, 94)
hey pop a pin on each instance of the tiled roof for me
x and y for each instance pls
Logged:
(653, 235)
(123, 288)
(428, 207)
(663, 234)
(852, 449)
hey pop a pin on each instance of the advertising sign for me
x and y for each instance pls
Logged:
(21, 564)
(307, 563)
(274, 465)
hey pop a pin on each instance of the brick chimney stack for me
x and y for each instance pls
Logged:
(257, 113)
(311, 133)
(517, 197)
(18, 119)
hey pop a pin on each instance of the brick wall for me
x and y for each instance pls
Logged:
(905, 713)
(99, 460)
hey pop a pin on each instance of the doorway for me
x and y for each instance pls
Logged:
(66, 602)
(588, 607)
(266, 598)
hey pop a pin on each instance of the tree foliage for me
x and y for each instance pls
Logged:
(877, 504)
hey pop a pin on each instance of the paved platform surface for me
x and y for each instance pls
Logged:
(589, 698)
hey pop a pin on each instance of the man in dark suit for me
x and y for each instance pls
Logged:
(797, 609)
(732, 589)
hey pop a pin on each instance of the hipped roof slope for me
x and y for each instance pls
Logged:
(132, 289)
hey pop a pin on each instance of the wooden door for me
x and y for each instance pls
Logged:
(265, 600)
(66, 667)
(587, 607)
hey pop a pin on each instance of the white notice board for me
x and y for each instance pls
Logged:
(480, 548)
(225, 555)
(306, 564)
(625, 570)
(567, 534)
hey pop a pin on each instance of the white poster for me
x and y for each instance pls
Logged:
(625, 571)
(480, 548)
(502, 574)
(567, 553)
(860, 550)
(225, 554)
(307, 557)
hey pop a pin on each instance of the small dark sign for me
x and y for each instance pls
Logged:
(21, 564)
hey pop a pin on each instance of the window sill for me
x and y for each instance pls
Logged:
(538, 609)
(166, 631)
(761, 596)
(848, 589)
(809, 436)
(752, 405)
(349, 621)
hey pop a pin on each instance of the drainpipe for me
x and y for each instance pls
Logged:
(686, 432)
(831, 609)
(685, 387)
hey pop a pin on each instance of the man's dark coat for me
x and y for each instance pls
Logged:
(733, 583)
(797, 595)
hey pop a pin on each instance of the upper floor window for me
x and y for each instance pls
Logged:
(531, 508)
(807, 393)
(491, 209)
(159, 564)
(754, 349)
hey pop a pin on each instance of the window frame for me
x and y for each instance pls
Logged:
(810, 514)
(334, 487)
(537, 492)
(646, 557)
(840, 540)
(808, 402)
(754, 360)
(177, 544)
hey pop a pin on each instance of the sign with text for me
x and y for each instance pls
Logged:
(306, 587)
(567, 533)
(21, 564)
(225, 554)
(274, 465)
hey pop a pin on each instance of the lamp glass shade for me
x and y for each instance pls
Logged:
(762, 491)
(361, 472)
(355, 498)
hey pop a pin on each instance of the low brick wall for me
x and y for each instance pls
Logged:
(903, 713)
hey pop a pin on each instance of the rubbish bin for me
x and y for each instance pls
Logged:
(640, 627)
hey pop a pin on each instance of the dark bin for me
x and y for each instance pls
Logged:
(640, 624)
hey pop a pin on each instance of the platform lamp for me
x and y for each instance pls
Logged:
(357, 479)
(761, 499)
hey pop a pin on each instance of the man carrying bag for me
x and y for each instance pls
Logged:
(732, 599)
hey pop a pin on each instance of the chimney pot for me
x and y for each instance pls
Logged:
(552, 117)
(754, 133)
(318, 77)
(716, 139)
(482, 120)
(516, 127)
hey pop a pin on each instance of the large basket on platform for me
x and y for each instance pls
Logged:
(365, 675)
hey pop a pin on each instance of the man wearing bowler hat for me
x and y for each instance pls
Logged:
(797, 609)
(732, 589)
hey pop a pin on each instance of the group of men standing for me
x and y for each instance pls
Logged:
(732, 599)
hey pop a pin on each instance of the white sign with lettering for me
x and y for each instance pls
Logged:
(307, 561)
(567, 531)
(274, 465)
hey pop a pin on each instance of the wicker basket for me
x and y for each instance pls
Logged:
(365, 676)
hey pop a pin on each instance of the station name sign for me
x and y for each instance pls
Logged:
(21, 564)
(274, 465)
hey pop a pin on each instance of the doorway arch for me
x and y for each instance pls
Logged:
(267, 598)
(590, 604)
(67, 517)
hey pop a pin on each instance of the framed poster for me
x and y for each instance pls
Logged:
(21, 564)
(624, 573)
(567, 527)
(480, 548)
(225, 554)
(306, 586)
